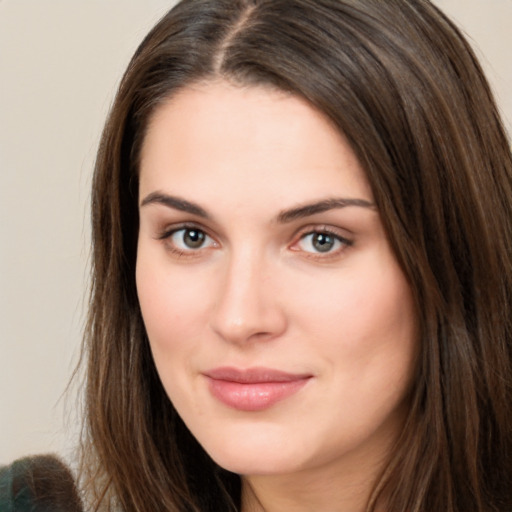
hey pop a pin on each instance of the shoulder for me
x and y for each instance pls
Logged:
(38, 484)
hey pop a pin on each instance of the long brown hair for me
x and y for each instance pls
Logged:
(403, 85)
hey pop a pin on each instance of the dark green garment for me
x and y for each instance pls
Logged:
(38, 484)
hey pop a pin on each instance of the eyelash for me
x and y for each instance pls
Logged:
(344, 243)
(166, 236)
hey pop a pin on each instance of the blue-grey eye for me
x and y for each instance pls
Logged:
(190, 238)
(320, 242)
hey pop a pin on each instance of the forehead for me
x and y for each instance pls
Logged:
(252, 140)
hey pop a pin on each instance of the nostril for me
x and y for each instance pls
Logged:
(246, 308)
(253, 323)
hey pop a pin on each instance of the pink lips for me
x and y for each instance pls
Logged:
(253, 389)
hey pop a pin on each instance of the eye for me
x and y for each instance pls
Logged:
(322, 242)
(189, 239)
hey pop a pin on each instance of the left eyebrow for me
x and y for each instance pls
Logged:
(321, 206)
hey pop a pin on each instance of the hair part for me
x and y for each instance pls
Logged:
(404, 87)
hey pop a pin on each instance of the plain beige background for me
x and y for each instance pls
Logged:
(60, 63)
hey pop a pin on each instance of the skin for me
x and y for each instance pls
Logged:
(258, 292)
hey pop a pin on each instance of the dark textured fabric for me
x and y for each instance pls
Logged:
(38, 484)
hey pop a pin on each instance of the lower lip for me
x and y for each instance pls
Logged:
(255, 396)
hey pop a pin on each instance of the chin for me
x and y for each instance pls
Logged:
(262, 463)
(249, 451)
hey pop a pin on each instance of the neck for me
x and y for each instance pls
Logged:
(336, 491)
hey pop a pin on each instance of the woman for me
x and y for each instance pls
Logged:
(302, 271)
(406, 379)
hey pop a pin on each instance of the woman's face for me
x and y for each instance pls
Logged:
(280, 323)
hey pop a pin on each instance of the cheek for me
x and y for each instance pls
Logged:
(364, 327)
(361, 308)
(170, 305)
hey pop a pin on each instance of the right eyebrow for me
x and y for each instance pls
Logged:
(177, 203)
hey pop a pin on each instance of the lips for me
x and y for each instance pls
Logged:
(253, 389)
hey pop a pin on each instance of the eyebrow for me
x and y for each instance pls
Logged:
(176, 203)
(283, 217)
(322, 206)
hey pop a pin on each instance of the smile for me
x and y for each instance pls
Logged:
(254, 389)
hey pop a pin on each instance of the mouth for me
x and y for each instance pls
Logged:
(253, 389)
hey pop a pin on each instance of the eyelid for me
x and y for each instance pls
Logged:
(165, 235)
(169, 229)
(337, 233)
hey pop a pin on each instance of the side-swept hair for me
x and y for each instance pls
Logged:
(402, 84)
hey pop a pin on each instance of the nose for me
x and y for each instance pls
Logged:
(247, 306)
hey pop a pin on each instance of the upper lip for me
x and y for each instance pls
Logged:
(254, 375)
